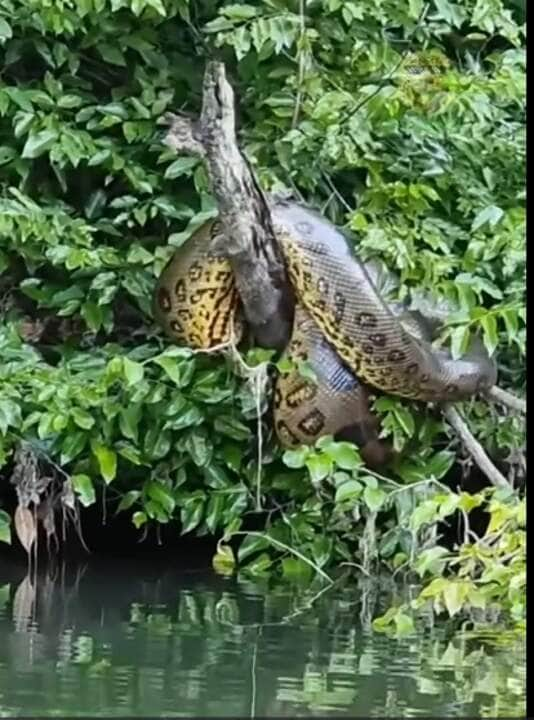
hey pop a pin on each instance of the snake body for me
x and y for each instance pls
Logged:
(342, 327)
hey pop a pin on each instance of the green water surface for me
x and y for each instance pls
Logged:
(126, 640)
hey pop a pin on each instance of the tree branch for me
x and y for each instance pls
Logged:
(248, 235)
(508, 399)
(475, 449)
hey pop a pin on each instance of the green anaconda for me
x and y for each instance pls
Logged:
(342, 327)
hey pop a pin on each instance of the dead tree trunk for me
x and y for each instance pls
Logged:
(249, 240)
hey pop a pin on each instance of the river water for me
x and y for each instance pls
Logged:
(123, 639)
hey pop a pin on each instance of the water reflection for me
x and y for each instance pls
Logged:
(117, 640)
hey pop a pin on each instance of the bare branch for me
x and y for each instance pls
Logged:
(249, 240)
(474, 448)
(183, 135)
(508, 399)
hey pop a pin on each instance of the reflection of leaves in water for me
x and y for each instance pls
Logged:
(23, 604)
(4, 595)
(194, 651)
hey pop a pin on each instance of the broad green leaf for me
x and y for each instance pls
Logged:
(139, 519)
(405, 419)
(344, 455)
(72, 445)
(231, 427)
(460, 336)
(161, 494)
(404, 625)
(491, 335)
(223, 561)
(5, 527)
(250, 545)
(349, 490)
(181, 166)
(296, 458)
(83, 487)
(107, 460)
(10, 415)
(128, 499)
(490, 215)
(5, 30)
(199, 448)
(439, 464)
(191, 515)
(374, 498)
(454, 596)
(319, 467)
(82, 418)
(133, 371)
(39, 143)
(431, 560)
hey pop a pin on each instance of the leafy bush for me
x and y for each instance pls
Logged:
(403, 121)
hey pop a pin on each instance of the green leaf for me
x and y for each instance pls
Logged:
(425, 513)
(181, 166)
(10, 415)
(460, 336)
(510, 318)
(72, 445)
(161, 494)
(223, 561)
(431, 561)
(404, 625)
(491, 215)
(231, 427)
(83, 486)
(5, 30)
(319, 467)
(191, 515)
(112, 54)
(133, 371)
(37, 144)
(214, 512)
(199, 447)
(374, 498)
(250, 545)
(139, 519)
(5, 527)
(107, 460)
(296, 568)
(179, 371)
(349, 490)
(405, 420)
(128, 499)
(296, 458)
(82, 418)
(440, 464)
(454, 595)
(92, 314)
(240, 11)
(344, 455)
(491, 335)
(129, 420)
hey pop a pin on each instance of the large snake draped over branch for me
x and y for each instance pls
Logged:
(343, 327)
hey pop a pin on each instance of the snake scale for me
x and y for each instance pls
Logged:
(342, 327)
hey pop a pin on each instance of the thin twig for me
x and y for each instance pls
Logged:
(475, 449)
(289, 549)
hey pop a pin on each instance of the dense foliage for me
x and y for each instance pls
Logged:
(402, 120)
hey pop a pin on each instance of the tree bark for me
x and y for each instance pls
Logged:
(249, 240)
